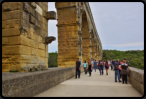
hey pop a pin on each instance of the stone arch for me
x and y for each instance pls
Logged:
(85, 38)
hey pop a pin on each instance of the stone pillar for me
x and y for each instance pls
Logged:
(24, 29)
(68, 38)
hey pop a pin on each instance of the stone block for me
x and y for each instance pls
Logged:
(14, 40)
(5, 40)
(6, 67)
(11, 24)
(7, 6)
(32, 19)
(32, 11)
(33, 4)
(16, 5)
(38, 23)
(42, 53)
(26, 7)
(25, 15)
(6, 16)
(5, 50)
(32, 27)
(41, 46)
(51, 15)
(3, 24)
(15, 14)
(13, 50)
(17, 23)
(14, 31)
(25, 50)
(138, 86)
(137, 76)
(45, 21)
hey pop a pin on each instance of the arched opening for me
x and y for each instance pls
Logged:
(85, 39)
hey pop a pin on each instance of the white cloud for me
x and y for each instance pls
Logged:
(127, 44)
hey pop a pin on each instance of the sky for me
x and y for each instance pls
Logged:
(120, 25)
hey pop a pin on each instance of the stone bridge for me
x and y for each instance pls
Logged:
(25, 35)
(61, 82)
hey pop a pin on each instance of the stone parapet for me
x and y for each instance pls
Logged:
(29, 84)
(136, 79)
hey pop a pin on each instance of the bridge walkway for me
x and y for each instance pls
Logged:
(95, 86)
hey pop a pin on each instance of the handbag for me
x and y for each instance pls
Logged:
(87, 67)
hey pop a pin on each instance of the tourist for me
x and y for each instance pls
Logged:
(92, 63)
(90, 68)
(116, 68)
(85, 67)
(78, 67)
(109, 62)
(106, 64)
(120, 68)
(124, 71)
(121, 62)
(95, 65)
(112, 65)
(98, 64)
(101, 67)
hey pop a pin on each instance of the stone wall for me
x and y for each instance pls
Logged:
(24, 27)
(136, 79)
(32, 83)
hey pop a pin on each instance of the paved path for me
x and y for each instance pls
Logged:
(95, 86)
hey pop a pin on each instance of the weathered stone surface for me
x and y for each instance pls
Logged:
(32, 19)
(49, 39)
(27, 29)
(33, 4)
(136, 78)
(24, 84)
(26, 7)
(51, 15)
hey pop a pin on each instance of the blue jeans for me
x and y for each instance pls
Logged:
(78, 72)
(117, 74)
(101, 70)
(103, 67)
(111, 67)
(95, 67)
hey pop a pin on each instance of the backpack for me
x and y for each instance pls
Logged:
(106, 64)
(101, 63)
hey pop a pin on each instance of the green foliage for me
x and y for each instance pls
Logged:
(52, 60)
(135, 57)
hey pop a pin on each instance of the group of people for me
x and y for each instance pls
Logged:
(120, 68)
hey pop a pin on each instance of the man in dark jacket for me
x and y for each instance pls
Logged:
(78, 67)
(116, 68)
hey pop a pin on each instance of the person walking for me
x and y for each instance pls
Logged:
(116, 68)
(90, 68)
(92, 63)
(85, 67)
(95, 65)
(98, 65)
(113, 63)
(106, 66)
(101, 67)
(124, 71)
(78, 67)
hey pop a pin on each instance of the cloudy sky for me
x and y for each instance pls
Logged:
(120, 25)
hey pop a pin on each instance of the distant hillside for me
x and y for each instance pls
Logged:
(135, 57)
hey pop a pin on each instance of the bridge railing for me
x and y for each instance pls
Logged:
(136, 79)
